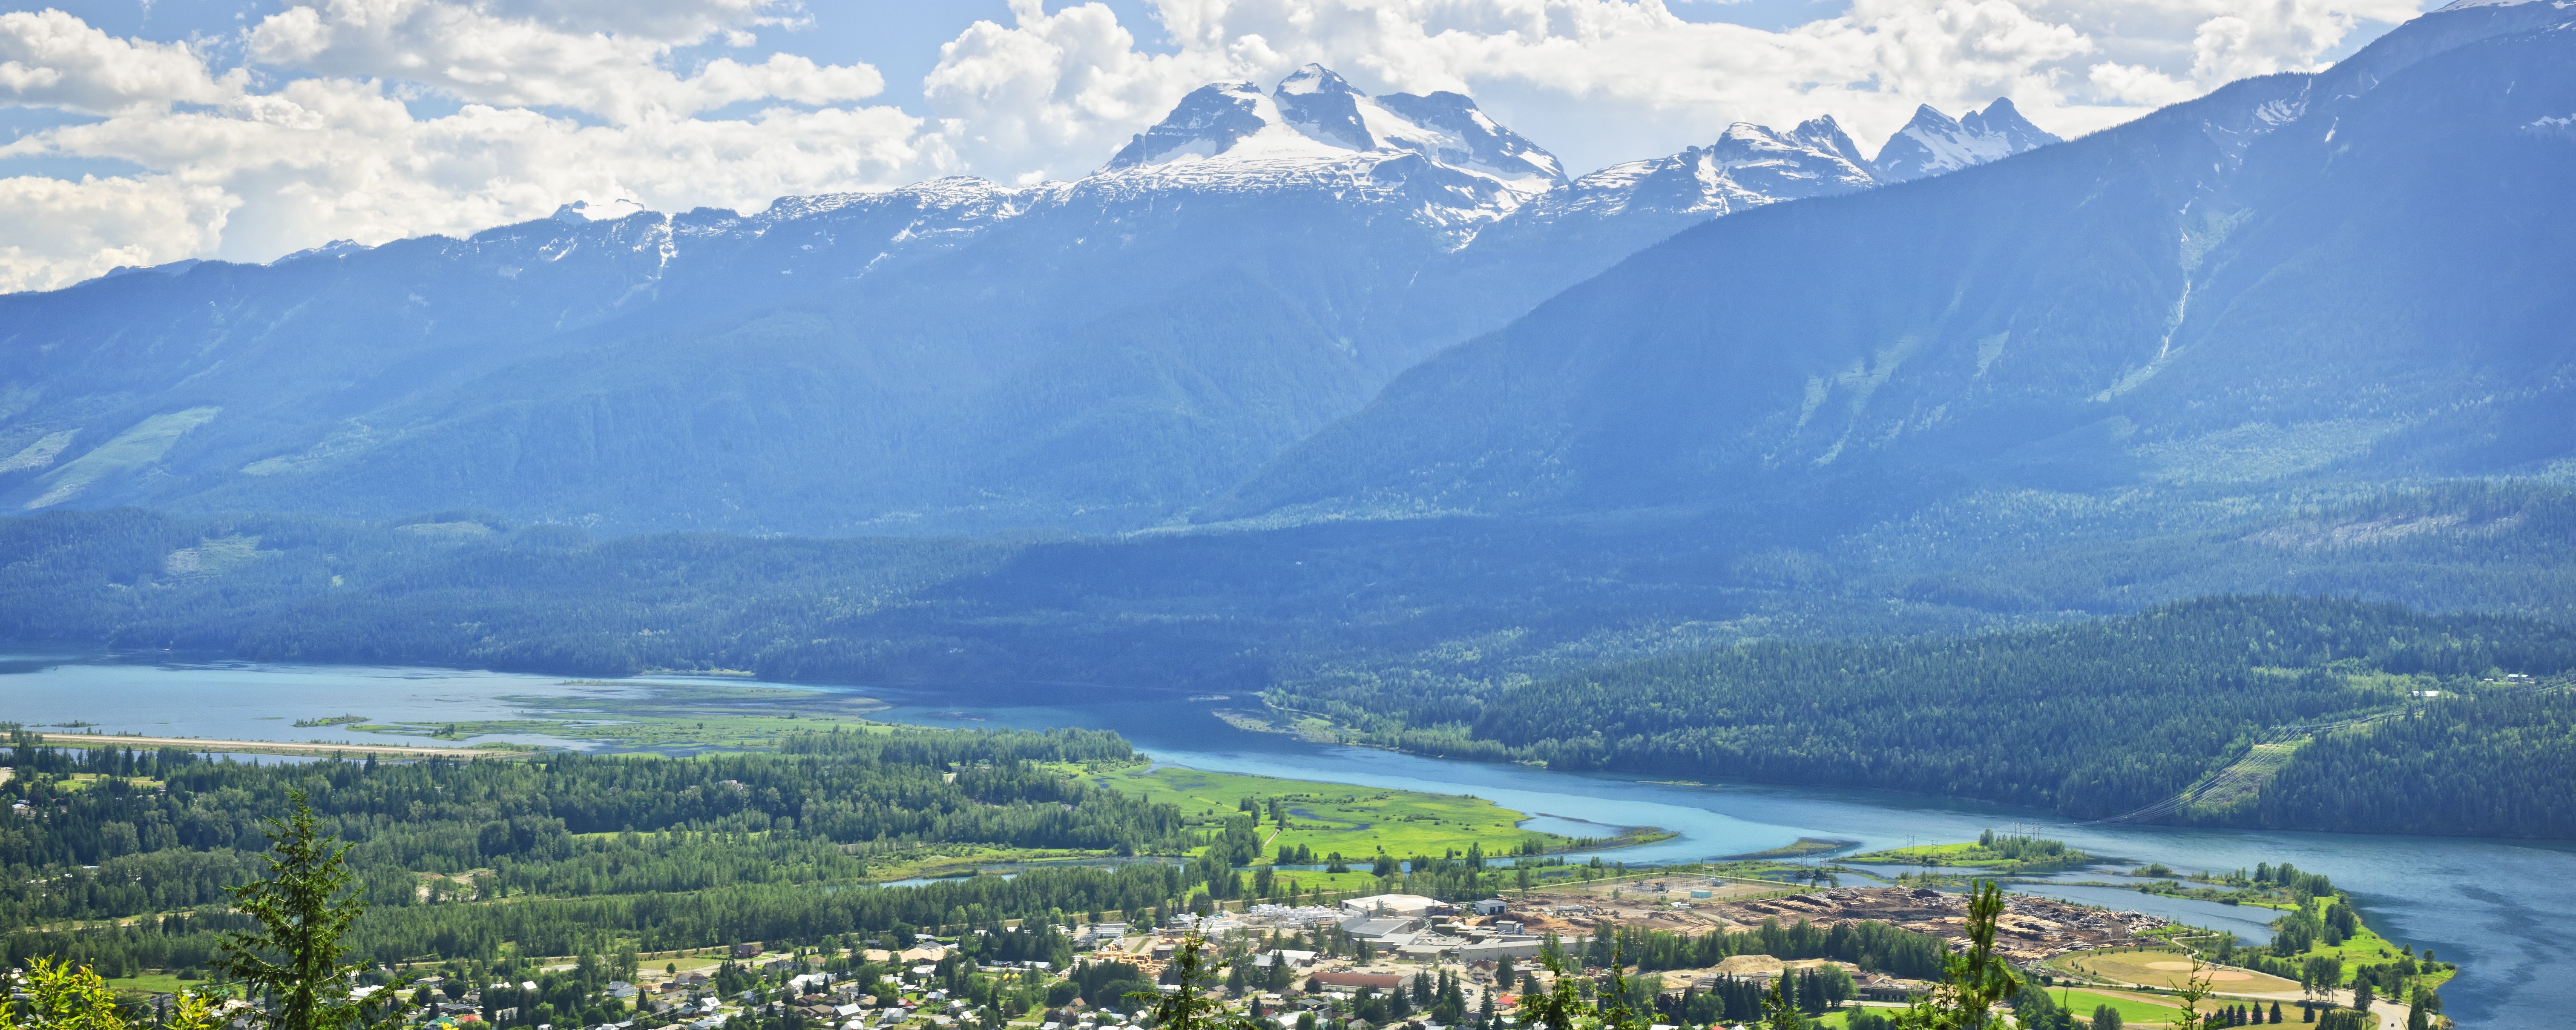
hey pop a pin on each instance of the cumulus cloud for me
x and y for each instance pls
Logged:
(514, 58)
(2139, 85)
(52, 59)
(1054, 95)
(325, 159)
(58, 232)
(558, 109)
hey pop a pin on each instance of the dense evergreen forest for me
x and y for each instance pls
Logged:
(119, 859)
(2091, 719)
(569, 853)
(2464, 765)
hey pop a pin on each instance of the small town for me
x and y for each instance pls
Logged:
(1376, 962)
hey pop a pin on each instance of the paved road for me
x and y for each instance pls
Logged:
(266, 746)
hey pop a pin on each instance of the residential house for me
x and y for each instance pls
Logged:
(1352, 980)
(1284, 956)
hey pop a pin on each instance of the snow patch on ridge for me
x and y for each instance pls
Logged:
(604, 211)
(1934, 143)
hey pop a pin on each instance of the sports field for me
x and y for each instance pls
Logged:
(2135, 1010)
(2158, 968)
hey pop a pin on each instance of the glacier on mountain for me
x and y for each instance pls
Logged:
(1315, 115)
(1749, 165)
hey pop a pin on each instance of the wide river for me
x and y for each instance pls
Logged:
(2505, 909)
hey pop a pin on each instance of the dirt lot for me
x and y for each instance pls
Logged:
(2032, 928)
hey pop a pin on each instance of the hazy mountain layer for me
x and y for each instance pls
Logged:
(952, 356)
(2353, 274)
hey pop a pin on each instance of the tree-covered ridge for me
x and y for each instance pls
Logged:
(2464, 765)
(2092, 719)
(1427, 608)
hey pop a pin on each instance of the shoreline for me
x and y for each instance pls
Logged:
(266, 747)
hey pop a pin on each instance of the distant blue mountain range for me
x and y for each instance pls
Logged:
(955, 356)
(1305, 302)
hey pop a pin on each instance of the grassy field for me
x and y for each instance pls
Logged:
(2168, 969)
(1963, 853)
(2247, 776)
(1966, 854)
(2133, 1010)
(1840, 1018)
(1801, 848)
(668, 716)
(2368, 948)
(1357, 822)
(153, 983)
(935, 861)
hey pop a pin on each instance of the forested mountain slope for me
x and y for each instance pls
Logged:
(2094, 719)
(2353, 273)
(1426, 614)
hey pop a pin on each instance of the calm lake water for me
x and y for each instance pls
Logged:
(2507, 909)
(233, 700)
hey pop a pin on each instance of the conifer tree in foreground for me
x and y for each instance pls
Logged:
(1185, 1008)
(302, 907)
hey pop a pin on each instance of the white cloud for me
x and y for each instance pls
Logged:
(236, 172)
(514, 58)
(2236, 40)
(52, 59)
(323, 159)
(1055, 95)
(2138, 84)
(58, 232)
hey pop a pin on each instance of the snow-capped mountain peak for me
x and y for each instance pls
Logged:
(603, 211)
(1749, 165)
(1934, 143)
(1315, 114)
(1825, 134)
